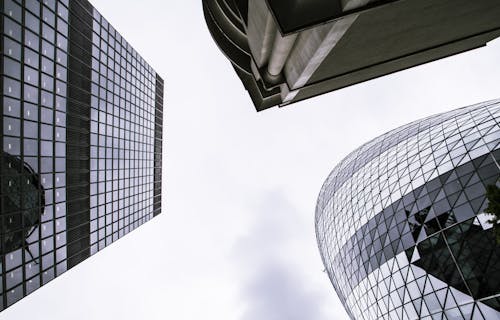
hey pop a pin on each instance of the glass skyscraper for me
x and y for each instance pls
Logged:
(81, 140)
(401, 226)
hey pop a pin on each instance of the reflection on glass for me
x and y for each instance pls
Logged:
(24, 203)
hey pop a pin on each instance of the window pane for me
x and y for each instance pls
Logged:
(31, 58)
(11, 126)
(12, 68)
(48, 17)
(31, 76)
(32, 22)
(30, 129)
(62, 42)
(13, 10)
(61, 57)
(30, 147)
(33, 6)
(30, 93)
(12, 28)
(30, 112)
(46, 132)
(11, 107)
(47, 116)
(47, 49)
(48, 33)
(47, 82)
(12, 48)
(62, 27)
(47, 66)
(12, 87)
(31, 40)
(51, 4)
(47, 99)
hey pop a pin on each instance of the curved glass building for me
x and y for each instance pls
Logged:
(401, 226)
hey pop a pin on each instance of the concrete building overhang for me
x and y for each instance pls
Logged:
(285, 51)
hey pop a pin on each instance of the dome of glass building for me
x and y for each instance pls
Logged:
(404, 223)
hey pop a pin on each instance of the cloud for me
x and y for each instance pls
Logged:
(275, 287)
(276, 292)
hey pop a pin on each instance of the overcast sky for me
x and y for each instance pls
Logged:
(236, 239)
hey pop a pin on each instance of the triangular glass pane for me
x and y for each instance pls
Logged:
(428, 287)
(486, 160)
(492, 145)
(401, 293)
(444, 177)
(466, 159)
(476, 222)
(417, 304)
(463, 212)
(453, 176)
(417, 271)
(450, 301)
(400, 247)
(440, 196)
(396, 300)
(421, 284)
(416, 255)
(424, 311)
(422, 236)
(441, 295)
(464, 179)
(407, 296)
(456, 160)
(477, 161)
(460, 297)
(431, 215)
(387, 241)
(488, 313)
(470, 145)
(477, 315)
(461, 200)
(452, 199)
(410, 276)
(436, 283)
(467, 310)
(410, 311)
(477, 204)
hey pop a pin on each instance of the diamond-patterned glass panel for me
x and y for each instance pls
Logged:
(401, 226)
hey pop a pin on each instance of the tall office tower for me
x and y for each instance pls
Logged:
(401, 226)
(285, 51)
(81, 140)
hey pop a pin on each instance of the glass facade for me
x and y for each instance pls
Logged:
(122, 127)
(81, 128)
(401, 226)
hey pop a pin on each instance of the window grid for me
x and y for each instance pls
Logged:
(30, 122)
(122, 137)
(38, 101)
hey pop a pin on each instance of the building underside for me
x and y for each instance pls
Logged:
(287, 51)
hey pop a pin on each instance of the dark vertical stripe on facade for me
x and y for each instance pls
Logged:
(3, 301)
(158, 146)
(78, 132)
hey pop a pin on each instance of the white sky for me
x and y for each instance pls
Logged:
(235, 239)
